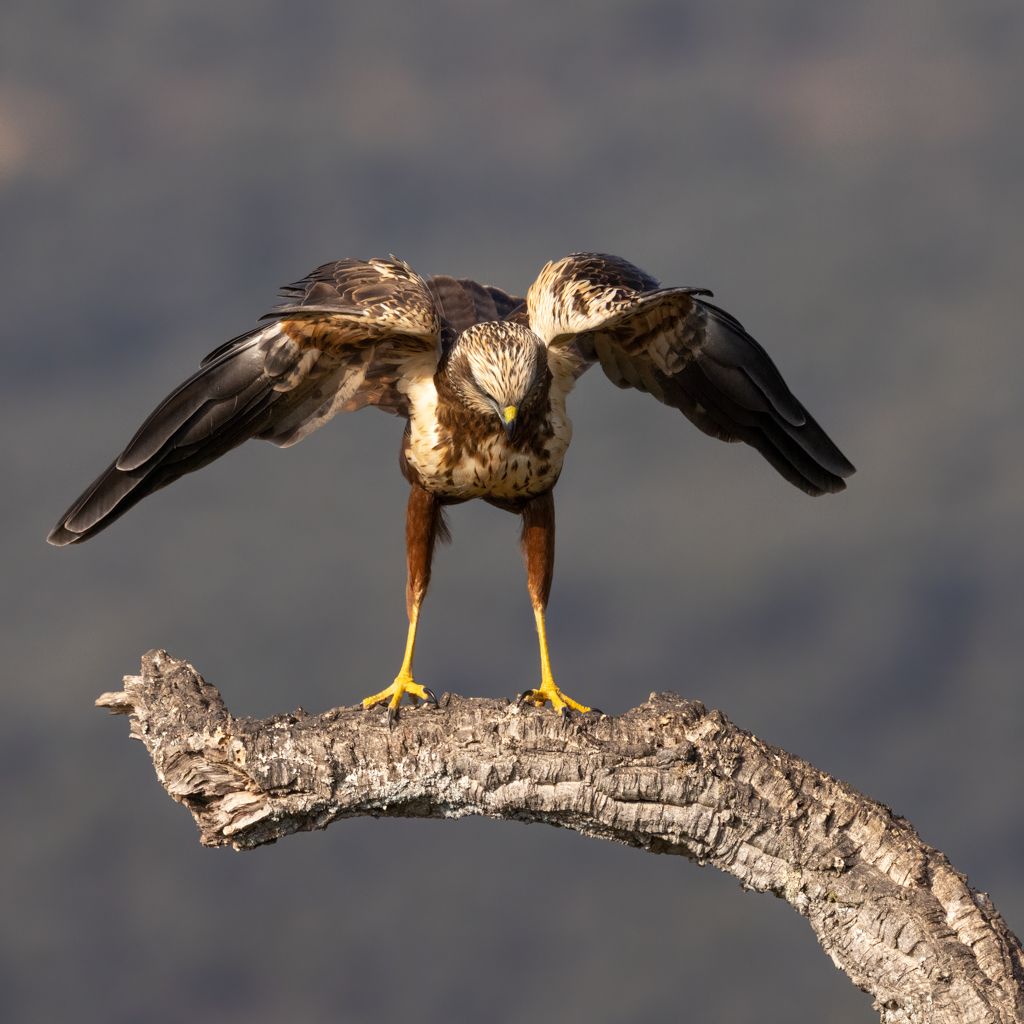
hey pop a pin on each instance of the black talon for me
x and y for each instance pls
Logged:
(522, 697)
(431, 699)
(565, 712)
(392, 716)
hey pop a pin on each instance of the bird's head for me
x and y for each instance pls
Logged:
(499, 369)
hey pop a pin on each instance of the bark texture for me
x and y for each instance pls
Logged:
(668, 777)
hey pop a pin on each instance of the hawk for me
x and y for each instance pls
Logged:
(481, 378)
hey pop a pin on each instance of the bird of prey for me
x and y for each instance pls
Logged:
(481, 378)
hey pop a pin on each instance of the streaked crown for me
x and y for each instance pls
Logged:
(494, 365)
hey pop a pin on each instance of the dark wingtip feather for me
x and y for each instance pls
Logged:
(105, 500)
(213, 411)
(60, 537)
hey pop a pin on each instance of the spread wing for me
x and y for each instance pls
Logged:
(686, 352)
(346, 337)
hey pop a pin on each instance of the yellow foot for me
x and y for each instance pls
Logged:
(549, 692)
(393, 695)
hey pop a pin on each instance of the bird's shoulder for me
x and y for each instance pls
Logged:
(372, 298)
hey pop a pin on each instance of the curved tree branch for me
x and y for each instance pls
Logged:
(669, 777)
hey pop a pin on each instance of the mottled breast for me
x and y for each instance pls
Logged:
(458, 449)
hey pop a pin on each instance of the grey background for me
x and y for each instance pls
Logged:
(846, 177)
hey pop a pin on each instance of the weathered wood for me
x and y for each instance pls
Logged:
(668, 777)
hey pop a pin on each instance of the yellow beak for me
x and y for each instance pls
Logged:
(509, 415)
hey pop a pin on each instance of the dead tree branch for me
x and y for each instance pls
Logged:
(668, 777)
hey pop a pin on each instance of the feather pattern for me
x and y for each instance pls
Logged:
(686, 352)
(481, 375)
(457, 446)
(279, 382)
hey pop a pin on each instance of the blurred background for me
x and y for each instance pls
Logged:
(846, 177)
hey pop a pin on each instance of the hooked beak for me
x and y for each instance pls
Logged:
(508, 420)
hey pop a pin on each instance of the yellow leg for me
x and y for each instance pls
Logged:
(548, 691)
(403, 681)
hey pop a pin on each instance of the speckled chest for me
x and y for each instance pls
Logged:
(458, 454)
